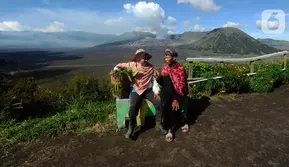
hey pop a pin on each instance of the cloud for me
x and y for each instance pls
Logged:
(16, 26)
(114, 22)
(171, 29)
(198, 28)
(203, 5)
(74, 19)
(54, 27)
(188, 23)
(236, 25)
(144, 29)
(151, 14)
(11, 26)
(172, 20)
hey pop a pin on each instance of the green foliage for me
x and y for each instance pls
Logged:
(77, 117)
(25, 99)
(85, 88)
(235, 79)
(121, 80)
(29, 111)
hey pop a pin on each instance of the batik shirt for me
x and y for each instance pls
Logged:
(178, 76)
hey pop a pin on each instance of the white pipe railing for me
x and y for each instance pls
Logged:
(192, 80)
(237, 59)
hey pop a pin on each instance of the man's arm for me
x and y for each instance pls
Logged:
(160, 79)
(156, 87)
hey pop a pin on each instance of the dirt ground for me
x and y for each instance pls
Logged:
(250, 130)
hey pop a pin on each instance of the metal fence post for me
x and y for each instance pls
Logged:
(190, 76)
(251, 71)
(285, 61)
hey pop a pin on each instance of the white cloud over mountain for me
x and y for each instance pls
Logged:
(145, 16)
(203, 5)
(151, 15)
(11, 26)
(198, 28)
(235, 25)
(16, 26)
(188, 23)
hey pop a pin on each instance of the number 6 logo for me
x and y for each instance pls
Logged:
(273, 21)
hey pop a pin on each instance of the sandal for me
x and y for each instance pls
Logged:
(169, 137)
(185, 128)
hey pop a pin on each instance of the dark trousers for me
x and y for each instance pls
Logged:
(135, 104)
(172, 119)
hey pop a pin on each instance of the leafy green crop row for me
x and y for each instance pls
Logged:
(236, 78)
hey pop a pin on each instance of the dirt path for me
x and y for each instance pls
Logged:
(252, 130)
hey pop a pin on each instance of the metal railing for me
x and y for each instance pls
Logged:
(251, 60)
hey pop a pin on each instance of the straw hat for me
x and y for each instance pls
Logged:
(139, 54)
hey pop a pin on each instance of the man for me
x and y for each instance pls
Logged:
(144, 86)
(173, 80)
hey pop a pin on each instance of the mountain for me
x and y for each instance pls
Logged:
(134, 36)
(188, 37)
(230, 41)
(126, 39)
(279, 44)
(148, 40)
(71, 39)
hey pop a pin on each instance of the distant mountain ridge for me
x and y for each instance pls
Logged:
(149, 40)
(279, 44)
(70, 39)
(31, 39)
(221, 40)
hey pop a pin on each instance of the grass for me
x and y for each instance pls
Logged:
(78, 117)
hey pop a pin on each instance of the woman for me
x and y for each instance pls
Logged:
(144, 86)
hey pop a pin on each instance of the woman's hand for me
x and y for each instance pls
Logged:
(175, 105)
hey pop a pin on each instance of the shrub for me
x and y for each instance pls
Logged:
(85, 88)
(235, 80)
(25, 99)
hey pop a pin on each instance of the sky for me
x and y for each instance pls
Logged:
(160, 16)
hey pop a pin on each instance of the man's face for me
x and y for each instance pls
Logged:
(169, 59)
(142, 62)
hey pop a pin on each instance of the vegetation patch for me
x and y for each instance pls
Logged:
(86, 104)
(236, 78)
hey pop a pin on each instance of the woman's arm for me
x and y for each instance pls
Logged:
(121, 66)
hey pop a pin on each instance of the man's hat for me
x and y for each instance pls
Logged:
(169, 52)
(141, 54)
(139, 51)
